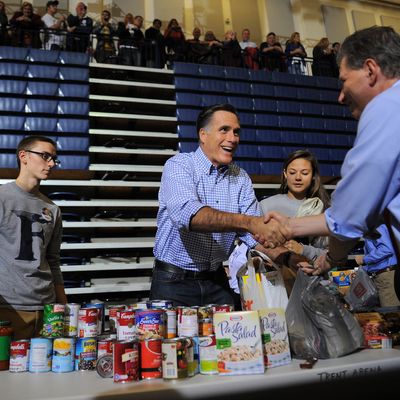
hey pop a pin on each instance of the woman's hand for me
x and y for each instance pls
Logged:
(294, 246)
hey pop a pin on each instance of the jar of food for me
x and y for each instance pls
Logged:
(6, 333)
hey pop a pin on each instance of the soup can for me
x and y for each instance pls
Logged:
(19, 356)
(63, 355)
(40, 355)
(88, 322)
(112, 316)
(126, 361)
(126, 328)
(71, 319)
(208, 355)
(188, 323)
(174, 358)
(150, 358)
(104, 366)
(150, 324)
(101, 313)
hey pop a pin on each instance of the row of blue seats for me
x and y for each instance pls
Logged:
(187, 115)
(254, 89)
(15, 104)
(67, 161)
(233, 73)
(274, 152)
(280, 136)
(64, 143)
(12, 86)
(44, 125)
(45, 56)
(263, 104)
(44, 71)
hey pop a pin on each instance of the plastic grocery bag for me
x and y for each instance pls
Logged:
(318, 323)
(362, 294)
(261, 283)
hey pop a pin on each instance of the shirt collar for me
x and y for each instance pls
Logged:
(206, 165)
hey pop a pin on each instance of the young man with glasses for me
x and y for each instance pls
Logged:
(30, 239)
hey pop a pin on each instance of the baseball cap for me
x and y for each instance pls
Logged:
(52, 3)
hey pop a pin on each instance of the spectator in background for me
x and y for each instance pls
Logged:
(213, 55)
(324, 61)
(271, 54)
(131, 40)
(54, 40)
(79, 29)
(295, 54)
(4, 37)
(231, 51)
(335, 50)
(25, 27)
(154, 45)
(105, 31)
(196, 48)
(175, 42)
(249, 50)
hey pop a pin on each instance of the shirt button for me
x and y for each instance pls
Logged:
(217, 201)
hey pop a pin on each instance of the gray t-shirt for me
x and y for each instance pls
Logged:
(289, 206)
(30, 239)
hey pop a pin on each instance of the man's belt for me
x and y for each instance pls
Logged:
(184, 273)
(387, 269)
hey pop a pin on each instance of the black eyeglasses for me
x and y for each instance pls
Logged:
(46, 157)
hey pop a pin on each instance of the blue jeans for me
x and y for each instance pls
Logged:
(190, 292)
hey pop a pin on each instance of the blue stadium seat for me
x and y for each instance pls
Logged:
(10, 141)
(351, 126)
(241, 103)
(338, 154)
(290, 121)
(266, 151)
(41, 106)
(335, 139)
(305, 80)
(188, 99)
(13, 69)
(321, 154)
(12, 104)
(187, 131)
(251, 167)
(42, 71)
(73, 107)
(188, 147)
(334, 110)
(215, 71)
(247, 134)
(8, 161)
(351, 139)
(329, 95)
(13, 53)
(237, 73)
(325, 169)
(74, 73)
(212, 85)
(187, 114)
(74, 90)
(238, 87)
(73, 125)
(347, 112)
(286, 150)
(12, 86)
(338, 125)
(278, 77)
(67, 143)
(73, 162)
(271, 168)
(181, 68)
(289, 92)
(308, 94)
(313, 123)
(292, 136)
(70, 57)
(262, 89)
(311, 108)
(42, 88)
(38, 124)
(259, 75)
(247, 151)
(265, 105)
(246, 118)
(43, 55)
(268, 136)
(210, 99)
(288, 106)
(335, 169)
(12, 123)
(267, 120)
(315, 138)
(328, 83)
(183, 82)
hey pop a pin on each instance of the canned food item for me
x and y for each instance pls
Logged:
(6, 333)
(126, 361)
(40, 355)
(188, 324)
(87, 322)
(171, 322)
(205, 312)
(192, 366)
(104, 346)
(159, 304)
(126, 328)
(150, 358)
(63, 355)
(104, 366)
(112, 316)
(71, 319)
(174, 360)
(140, 305)
(208, 355)
(53, 320)
(19, 355)
(150, 324)
(223, 308)
(206, 327)
(100, 320)
(85, 354)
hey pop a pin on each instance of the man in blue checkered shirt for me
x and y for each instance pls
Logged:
(206, 202)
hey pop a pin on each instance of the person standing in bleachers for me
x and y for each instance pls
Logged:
(105, 31)
(79, 29)
(295, 55)
(30, 240)
(213, 56)
(324, 60)
(175, 43)
(56, 27)
(231, 51)
(271, 54)
(131, 41)
(4, 37)
(154, 45)
(249, 50)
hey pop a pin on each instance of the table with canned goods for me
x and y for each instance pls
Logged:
(374, 368)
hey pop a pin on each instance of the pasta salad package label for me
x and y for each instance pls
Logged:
(239, 346)
(275, 338)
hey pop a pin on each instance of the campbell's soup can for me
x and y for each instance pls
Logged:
(126, 361)
(85, 354)
(150, 324)
(188, 323)
(159, 304)
(171, 322)
(126, 328)
(40, 354)
(63, 355)
(174, 358)
(71, 319)
(19, 355)
(100, 320)
(112, 316)
(104, 346)
(53, 320)
(208, 355)
(87, 322)
(104, 366)
(150, 359)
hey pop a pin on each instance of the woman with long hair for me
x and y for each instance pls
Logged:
(295, 54)
(324, 61)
